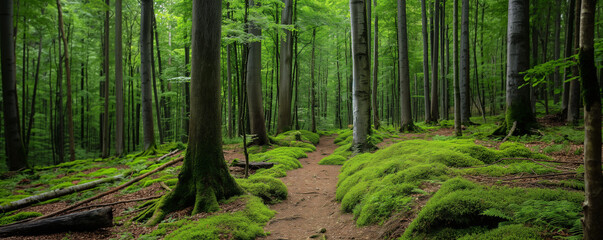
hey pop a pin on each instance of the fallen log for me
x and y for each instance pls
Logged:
(164, 166)
(55, 194)
(80, 221)
(255, 165)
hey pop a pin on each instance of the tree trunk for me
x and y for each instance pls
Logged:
(33, 98)
(573, 109)
(186, 88)
(105, 120)
(254, 86)
(425, 62)
(338, 122)
(80, 221)
(15, 150)
(434, 108)
(568, 53)
(361, 77)
(465, 89)
(376, 122)
(518, 61)
(406, 124)
(68, 75)
(557, 51)
(284, 93)
(119, 86)
(593, 179)
(165, 128)
(455, 69)
(313, 84)
(146, 55)
(202, 187)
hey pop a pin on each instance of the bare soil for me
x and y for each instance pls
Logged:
(311, 206)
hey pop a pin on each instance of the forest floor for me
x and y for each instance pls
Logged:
(310, 209)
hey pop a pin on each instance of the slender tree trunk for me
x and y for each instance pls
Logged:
(105, 120)
(229, 83)
(68, 75)
(593, 179)
(375, 69)
(33, 98)
(434, 108)
(573, 110)
(338, 100)
(15, 150)
(165, 127)
(284, 93)
(455, 69)
(313, 84)
(557, 51)
(146, 55)
(465, 89)
(361, 75)
(254, 86)
(403, 68)
(425, 62)
(518, 60)
(119, 86)
(186, 88)
(568, 53)
(204, 179)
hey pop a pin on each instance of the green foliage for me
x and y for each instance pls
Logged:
(103, 172)
(285, 138)
(268, 188)
(333, 159)
(460, 204)
(507, 232)
(18, 217)
(245, 224)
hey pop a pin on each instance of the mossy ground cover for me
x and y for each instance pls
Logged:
(373, 186)
(344, 141)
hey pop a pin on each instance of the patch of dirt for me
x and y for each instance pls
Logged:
(311, 204)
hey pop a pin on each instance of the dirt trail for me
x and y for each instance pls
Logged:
(311, 203)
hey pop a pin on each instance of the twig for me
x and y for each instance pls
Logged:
(164, 186)
(541, 160)
(510, 132)
(538, 176)
(114, 203)
(164, 166)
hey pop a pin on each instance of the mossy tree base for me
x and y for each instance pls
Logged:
(410, 128)
(152, 150)
(198, 186)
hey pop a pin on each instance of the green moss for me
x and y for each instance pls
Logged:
(277, 171)
(270, 189)
(12, 198)
(62, 185)
(461, 204)
(103, 172)
(18, 217)
(518, 150)
(296, 135)
(245, 224)
(333, 160)
(508, 232)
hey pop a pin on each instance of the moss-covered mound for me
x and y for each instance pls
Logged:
(344, 141)
(373, 186)
(245, 224)
(465, 209)
(286, 138)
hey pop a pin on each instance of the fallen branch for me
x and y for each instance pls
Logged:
(256, 165)
(542, 160)
(114, 203)
(164, 186)
(164, 166)
(538, 176)
(510, 132)
(55, 194)
(81, 221)
(172, 153)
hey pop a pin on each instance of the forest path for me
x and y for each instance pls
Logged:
(311, 204)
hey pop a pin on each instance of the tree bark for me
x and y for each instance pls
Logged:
(284, 93)
(425, 62)
(313, 84)
(465, 88)
(80, 221)
(593, 178)
(434, 108)
(15, 150)
(518, 61)
(105, 139)
(404, 75)
(202, 187)
(68, 75)
(376, 121)
(145, 74)
(568, 53)
(361, 77)
(573, 109)
(119, 86)
(254, 85)
(455, 69)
